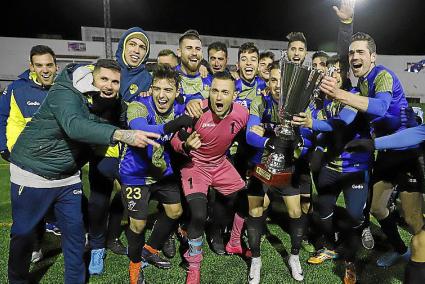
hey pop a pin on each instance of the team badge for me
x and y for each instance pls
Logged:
(133, 89)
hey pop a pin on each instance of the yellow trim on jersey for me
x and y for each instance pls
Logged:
(15, 123)
(109, 152)
(125, 43)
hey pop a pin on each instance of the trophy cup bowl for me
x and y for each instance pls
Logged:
(298, 84)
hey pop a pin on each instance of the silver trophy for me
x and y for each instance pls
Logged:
(298, 86)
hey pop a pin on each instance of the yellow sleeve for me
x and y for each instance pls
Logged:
(15, 123)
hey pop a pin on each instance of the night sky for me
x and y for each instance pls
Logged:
(398, 26)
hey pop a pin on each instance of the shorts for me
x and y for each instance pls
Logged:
(136, 197)
(222, 177)
(404, 168)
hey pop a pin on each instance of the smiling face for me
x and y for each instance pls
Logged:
(274, 83)
(164, 92)
(319, 63)
(360, 58)
(222, 94)
(263, 69)
(134, 52)
(297, 52)
(44, 67)
(217, 60)
(107, 81)
(190, 53)
(248, 65)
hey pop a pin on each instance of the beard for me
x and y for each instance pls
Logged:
(190, 66)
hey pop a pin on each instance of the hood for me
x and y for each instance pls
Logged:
(119, 55)
(31, 77)
(137, 79)
(65, 79)
(82, 79)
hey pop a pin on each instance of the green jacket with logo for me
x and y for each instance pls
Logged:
(53, 143)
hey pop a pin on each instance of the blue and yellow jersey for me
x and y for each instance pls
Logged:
(246, 92)
(308, 136)
(140, 166)
(18, 104)
(264, 112)
(382, 80)
(193, 86)
(338, 159)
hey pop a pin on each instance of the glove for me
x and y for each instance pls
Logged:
(5, 154)
(408, 117)
(178, 123)
(316, 160)
(360, 145)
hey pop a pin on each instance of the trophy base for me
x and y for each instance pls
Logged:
(277, 179)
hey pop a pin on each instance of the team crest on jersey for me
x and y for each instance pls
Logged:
(133, 89)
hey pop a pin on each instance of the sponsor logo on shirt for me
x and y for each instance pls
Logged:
(30, 103)
(357, 186)
(77, 191)
(207, 124)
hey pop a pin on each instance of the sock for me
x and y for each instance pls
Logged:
(254, 226)
(389, 227)
(195, 246)
(150, 249)
(162, 229)
(135, 244)
(235, 236)
(414, 273)
(194, 254)
(296, 231)
(327, 227)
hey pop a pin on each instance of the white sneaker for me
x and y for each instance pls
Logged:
(295, 265)
(255, 271)
(36, 256)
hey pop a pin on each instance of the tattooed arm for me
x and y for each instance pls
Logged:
(136, 138)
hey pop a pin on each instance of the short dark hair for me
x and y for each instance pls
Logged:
(189, 34)
(274, 65)
(219, 46)
(166, 72)
(248, 47)
(107, 63)
(371, 45)
(320, 53)
(40, 50)
(334, 59)
(167, 52)
(223, 75)
(296, 36)
(266, 54)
